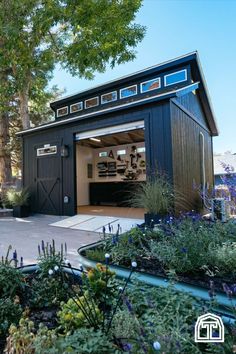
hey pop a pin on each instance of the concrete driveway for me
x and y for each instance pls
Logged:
(25, 234)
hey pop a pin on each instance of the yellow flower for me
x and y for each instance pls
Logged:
(68, 317)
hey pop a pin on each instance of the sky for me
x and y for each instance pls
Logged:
(174, 28)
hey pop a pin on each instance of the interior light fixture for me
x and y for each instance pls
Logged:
(95, 139)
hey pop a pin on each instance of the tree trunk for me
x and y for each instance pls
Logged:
(24, 107)
(5, 158)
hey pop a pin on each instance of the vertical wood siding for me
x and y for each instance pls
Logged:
(186, 155)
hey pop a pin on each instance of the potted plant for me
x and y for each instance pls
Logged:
(156, 196)
(19, 199)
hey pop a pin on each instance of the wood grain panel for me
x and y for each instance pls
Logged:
(187, 157)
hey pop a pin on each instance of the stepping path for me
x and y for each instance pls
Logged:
(96, 223)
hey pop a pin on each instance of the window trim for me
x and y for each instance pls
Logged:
(108, 93)
(47, 153)
(62, 115)
(92, 98)
(125, 88)
(176, 72)
(78, 110)
(145, 82)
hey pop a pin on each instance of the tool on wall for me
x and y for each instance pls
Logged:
(142, 163)
(111, 155)
(138, 156)
(132, 157)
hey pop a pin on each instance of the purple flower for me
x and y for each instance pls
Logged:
(130, 239)
(184, 250)
(128, 304)
(127, 347)
(233, 288)
(228, 291)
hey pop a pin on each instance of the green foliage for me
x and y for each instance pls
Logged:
(10, 313)
(24, 340)
(50, 284)
(18, 197)
(85, 341)
(96, 254)
(185, 245)
(11, 282)
(126, 247)
(21, 338)
(74, 314)
(68, 33)
(48, 291)
(100, 282)
(166, 316)
(49, 257)
(223, 257)
(156, 196)
(125, 325)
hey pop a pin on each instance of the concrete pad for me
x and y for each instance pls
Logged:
(25, 234)
(72, 221)
(95, 223)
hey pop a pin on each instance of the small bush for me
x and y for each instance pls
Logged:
(10, 313)
(17, 197)
(155, 196)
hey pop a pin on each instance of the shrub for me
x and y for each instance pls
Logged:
(223, 257)
(156, 196)
(11, 282)
(186, 245)
(76, 313)
(17, 197)
(10, 313)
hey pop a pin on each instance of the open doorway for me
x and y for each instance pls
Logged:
(110, 164)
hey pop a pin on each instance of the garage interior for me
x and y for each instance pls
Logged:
(108, 168)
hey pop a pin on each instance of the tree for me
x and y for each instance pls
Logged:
(82, 36)
(39, 113)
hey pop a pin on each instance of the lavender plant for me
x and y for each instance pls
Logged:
(229, 180)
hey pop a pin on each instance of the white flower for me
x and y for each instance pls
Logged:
(50, 272)
(134, 264)
(56, 268)
(156, 345)
(107, 255)
(120, 288)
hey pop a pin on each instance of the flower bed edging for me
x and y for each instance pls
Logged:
(31, 268)
(225, 305)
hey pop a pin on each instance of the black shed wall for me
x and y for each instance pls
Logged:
(52, 178)
(188, 156)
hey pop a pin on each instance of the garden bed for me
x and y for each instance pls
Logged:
(199, 255)
(52, 308)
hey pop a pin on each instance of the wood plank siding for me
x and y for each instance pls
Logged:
(187, 154)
